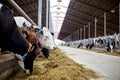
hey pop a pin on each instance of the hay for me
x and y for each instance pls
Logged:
(57, 67)
(5, 55)
(114, 53)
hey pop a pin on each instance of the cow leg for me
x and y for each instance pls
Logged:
(111, 48)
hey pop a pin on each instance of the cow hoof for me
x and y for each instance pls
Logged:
(27, 71)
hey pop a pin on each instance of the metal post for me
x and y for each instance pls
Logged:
(50, 21)
(119, 17)
(22, 12)
(40, 13)
(104, 23)
(89, 29)
(75, 35)
(72, 36)
(47, 13)
(50, 24)
(84, 31)
(95, 27)
(80, 33)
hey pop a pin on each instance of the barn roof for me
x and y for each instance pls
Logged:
(81, 12)
(78, 15)
(30, 7)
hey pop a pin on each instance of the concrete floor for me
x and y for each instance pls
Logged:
(106, 65)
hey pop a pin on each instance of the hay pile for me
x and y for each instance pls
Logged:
(57, 67)
(114, 53)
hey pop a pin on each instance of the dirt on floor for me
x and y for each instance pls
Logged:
(114, 53)
(57, 67)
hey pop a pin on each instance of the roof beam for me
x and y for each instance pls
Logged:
(36, 10)
(89, 15)
(77, 19)
(64, 33)
(66, 30)
(73, 22)
(93, 7)
(68, 26)
(29, 4)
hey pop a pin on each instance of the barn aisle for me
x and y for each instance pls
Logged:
(106, 65)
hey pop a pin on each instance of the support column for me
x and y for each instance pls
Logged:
(47, 13)
(80, 33)
(89, 29)
(95, 27)
(40, 13)
(84, 31)
(104, 23)
(51, 25)
(72, 37)
(119, 17)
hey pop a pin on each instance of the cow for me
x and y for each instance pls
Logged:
(40, 40)
(47, 39)
(80, 44)
(90, 44)
(12, 39)
(108, 42)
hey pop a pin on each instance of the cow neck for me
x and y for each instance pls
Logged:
(10, 32)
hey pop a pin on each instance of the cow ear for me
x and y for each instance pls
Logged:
(52, 33)
(41, 32)
(6, 9)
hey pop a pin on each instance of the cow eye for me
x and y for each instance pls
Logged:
(46, 37)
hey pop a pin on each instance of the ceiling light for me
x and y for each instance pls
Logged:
(58, 8)
(59, 0)
(112, 11)
(58, 13)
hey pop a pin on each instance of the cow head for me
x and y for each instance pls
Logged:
(11, 39)
(47, 39)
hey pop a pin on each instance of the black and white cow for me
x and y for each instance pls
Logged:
(80, 44)
(108, 42)
(90, 44)
(11, 39)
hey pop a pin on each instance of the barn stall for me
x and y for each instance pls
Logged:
(81, 18)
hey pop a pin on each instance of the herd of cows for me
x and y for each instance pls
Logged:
(28, 42)
(109, 43)
(25, 42)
